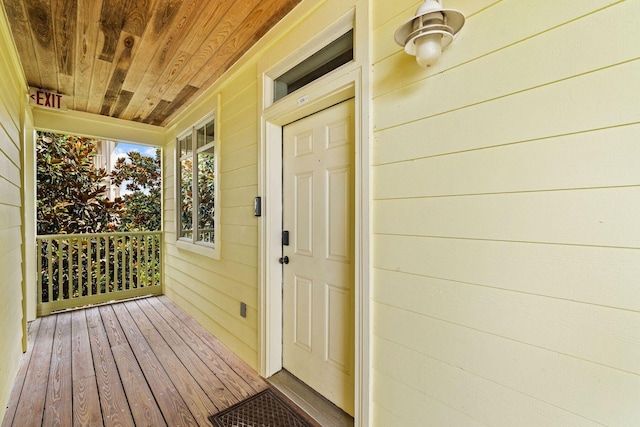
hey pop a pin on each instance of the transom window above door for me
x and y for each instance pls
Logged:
(325, 60)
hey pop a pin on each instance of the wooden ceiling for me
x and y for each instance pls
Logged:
(140, 60)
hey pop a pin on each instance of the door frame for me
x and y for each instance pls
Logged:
(338, 86)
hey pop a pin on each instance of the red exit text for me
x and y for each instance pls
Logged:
(43, 98)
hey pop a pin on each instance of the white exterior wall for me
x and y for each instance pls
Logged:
(12, 124)
(506, 262)
(211, 289)
(506, 228)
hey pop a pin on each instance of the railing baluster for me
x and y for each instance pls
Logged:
(142, 261)
(81, 267)
(147, 260)
(139, 239)
(49, 270)
(60, 268)
(153, 260)
(39, 265)
(99, 275)
(98, 264)
(71, 267)
(130, 251)
(89, 267)
(107, 257)
(116, 265)
(123, 264)
(99, 270)
(142, 264)
(160, 258)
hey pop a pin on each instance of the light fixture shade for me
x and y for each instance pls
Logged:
(433, 21)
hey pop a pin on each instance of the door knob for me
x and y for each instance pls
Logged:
(284, 260)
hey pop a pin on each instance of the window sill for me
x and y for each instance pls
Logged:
(208, 251)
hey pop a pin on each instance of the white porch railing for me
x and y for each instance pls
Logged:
(75, 270)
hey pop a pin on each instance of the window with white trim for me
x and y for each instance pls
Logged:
(325, 60)
(197, 185)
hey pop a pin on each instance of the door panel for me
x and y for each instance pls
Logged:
(318, 211)
(338, 214)
(303, 310)
(304, 214)
(337, 339)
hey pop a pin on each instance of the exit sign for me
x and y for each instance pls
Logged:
(46, 99)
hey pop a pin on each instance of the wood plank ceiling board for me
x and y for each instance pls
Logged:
(87, 30)
(140, 60)
(20, 25)
(227, 46)
(169, 21)
(64, 14)
(170, 30)
(41, 31)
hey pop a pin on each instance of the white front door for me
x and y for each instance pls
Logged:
(318, 288)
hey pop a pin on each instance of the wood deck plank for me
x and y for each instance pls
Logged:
(142, 363)
(194, 396)
(178, 335)
(238, 365)
(86, 406)
(86, 401)
(58, 404)
(112, 327)
(31, 406)
(113, 401)
(223, 389)
(18, 385)
(173, 407)
(144, 408)
(81, 358)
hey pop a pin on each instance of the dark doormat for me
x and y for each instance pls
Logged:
(265, 409)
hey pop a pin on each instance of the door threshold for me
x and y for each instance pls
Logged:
(320, 409)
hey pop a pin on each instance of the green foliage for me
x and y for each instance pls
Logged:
(71, 199)
(206, 197)
(206, 192)
(186, 197)
(142, 175)
(70, 189)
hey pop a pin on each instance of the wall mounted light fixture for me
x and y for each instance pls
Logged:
(429, 31)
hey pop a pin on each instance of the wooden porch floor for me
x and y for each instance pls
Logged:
(143, 362)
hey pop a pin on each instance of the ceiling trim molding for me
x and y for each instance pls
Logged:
(97, 126)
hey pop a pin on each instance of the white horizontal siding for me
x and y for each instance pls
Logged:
(601, 276)
(413, 407)
(506, 240)
(585, 331)
(549, 377)
(515, 119)
(467, 392)
(212, 290)
(589, 159)
(594, 217)
(12, 89)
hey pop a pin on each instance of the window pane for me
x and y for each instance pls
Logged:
(185, 145)
(327, 59)
(209, 132)
(206, 195)
(186, 199)
(200, 137)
